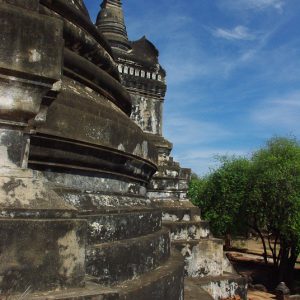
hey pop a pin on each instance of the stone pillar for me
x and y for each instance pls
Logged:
(282, 291)
(41, 246)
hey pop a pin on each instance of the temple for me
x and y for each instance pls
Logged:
(145, 81)
(88, 191)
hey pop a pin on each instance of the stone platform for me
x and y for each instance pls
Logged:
(164, 283)
(206, 265)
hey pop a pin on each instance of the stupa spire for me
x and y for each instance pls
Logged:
(110, 22)
(115, 2)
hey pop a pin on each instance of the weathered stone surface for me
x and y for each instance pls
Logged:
(203, 257)
(91, 291)
(144, 79)
(111, 22)
(91, 121)
(163, 283)
(180, 213)
(188, 230)
(118, 226)
(91, 192)
(29, 4)
(147, 113)
(127, 259)
(27, 43)
(194, 292)
(41, 254)
(29, 65)
(26, 194)
(12, 148)
(90, 160)
(223, 287)
(37, 251)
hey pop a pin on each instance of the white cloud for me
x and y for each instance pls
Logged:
(184, 131)
(280, 112)
(213, 152)
(201, 161)
(258, 5)
(154, 25)
(237, 33)
(263, 4)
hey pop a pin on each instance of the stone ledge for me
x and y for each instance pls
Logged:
(196, 242)
(193, 292)
(124, 260)
(122, 225)
(90, 291)
(188, 230)
(225, 276)
(163, 283)
(174, 203)
(224, 286)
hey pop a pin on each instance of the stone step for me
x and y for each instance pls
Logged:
(168, 179)
(123, 260)
(168, 189)
(88, 202)
(226, 286)
(168, 168)
(177, 214)
(203, 257)
(188, 230)
(122, 225)
(161, 184)
(169, 164)
(162, 283)
(194, 292)
(161, 195)
(91, 291)
(173, 202)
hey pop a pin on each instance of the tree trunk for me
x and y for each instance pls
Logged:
(286, 268)
(282, 269)
(291, 267)
(228, 241)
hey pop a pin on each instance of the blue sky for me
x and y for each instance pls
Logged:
(233, 72)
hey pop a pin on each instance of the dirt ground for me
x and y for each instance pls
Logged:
(253, 247)
(257, 295)
(246, 256)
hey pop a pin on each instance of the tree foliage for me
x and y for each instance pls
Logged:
(220, 195)
(261, 193)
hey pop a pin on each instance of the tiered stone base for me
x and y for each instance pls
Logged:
(162, 283)
(87, 211)
(128, 251)
(205, 264)
(191, 236)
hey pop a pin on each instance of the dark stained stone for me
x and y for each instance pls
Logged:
(74, 166)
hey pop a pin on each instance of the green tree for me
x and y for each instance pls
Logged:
(261, 193)
(220, 196)
(273, 202)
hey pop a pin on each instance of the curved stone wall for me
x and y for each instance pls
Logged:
(74, 166)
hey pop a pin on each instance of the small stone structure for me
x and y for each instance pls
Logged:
(145, 80)
(75, 218)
